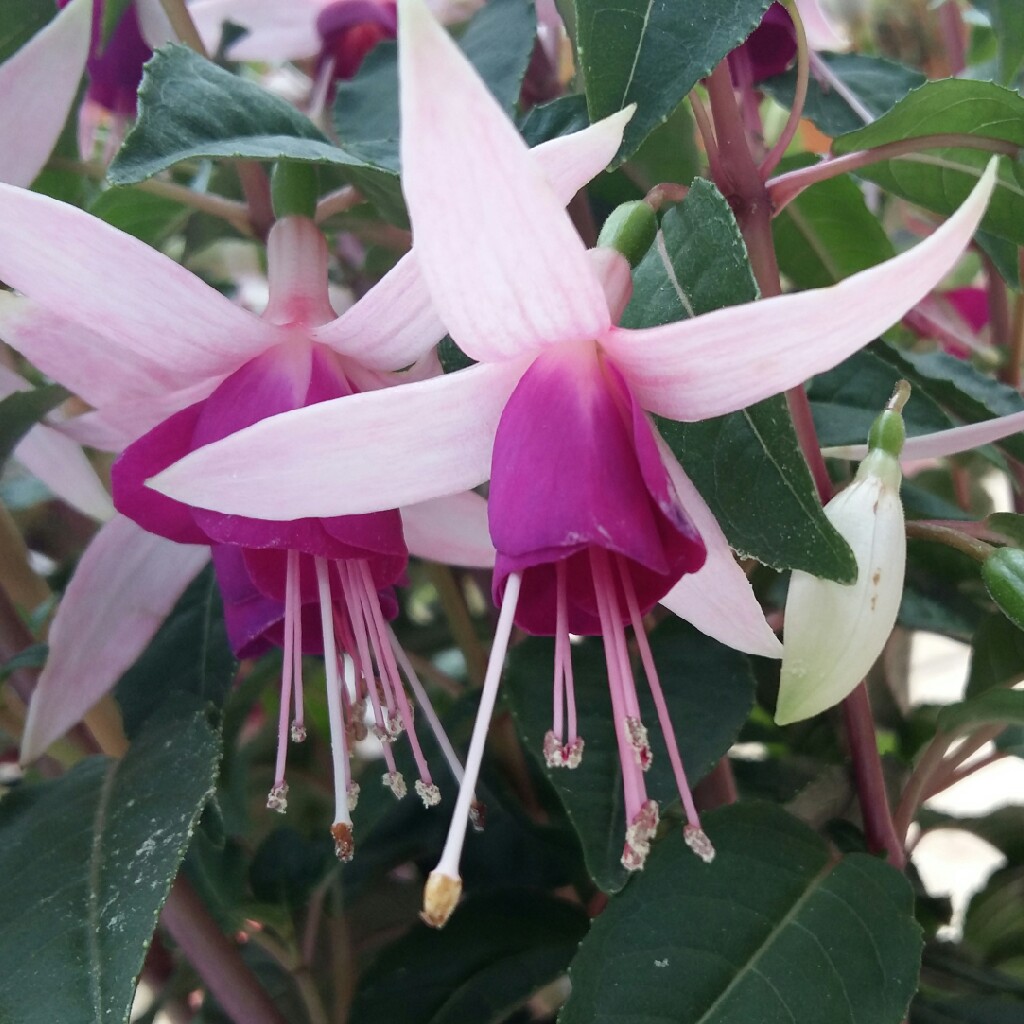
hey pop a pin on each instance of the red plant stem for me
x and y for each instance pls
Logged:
(749, 197)
(867, 770)
(216, 958)
(717, 788)
(788, 186)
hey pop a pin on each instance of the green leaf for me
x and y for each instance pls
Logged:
(653, 52)
(22, 410)
(747, 466)
(971, 1010)
(875, 83)
(709, 691)
(1009, 525)
(940, 179)
(496, 951)
(827, 233)
(498, 42)
(85, 865)
(775, 930)
(189, 108)
(148, 217)
(563, 116)
(846, 400)
(21, 21)
(992, 707)
(189, 654)
(958, 387)
(1003, 255)
(997, 655)
(1008, 25)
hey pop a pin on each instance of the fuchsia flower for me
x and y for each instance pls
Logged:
(37, 86)
(161, 355)
(587, 505)
(955, 318)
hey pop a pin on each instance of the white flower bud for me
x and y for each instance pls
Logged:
(833, 631)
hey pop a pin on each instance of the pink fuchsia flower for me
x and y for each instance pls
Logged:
(138, 346)
(772, 45)
(955, 318)
(585, 507)
(37, 86)
(115, 71)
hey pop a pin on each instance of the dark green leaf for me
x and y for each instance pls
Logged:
(966, 1011)
(21, 21)
(148, 217)
(1003, 255)
(846, 401)
(940, 179)
(1008, 24)
(994, 926)
(709, 691)
(190, 108)
(875, 83)
(997, 655)
(774, 930)
(22, 410)
(653, 52)
(827, 233)
(496, 951)
(85, 865)
(993, 707)
(498, 42)
(1009, 525)
(958, 387)
(747, 465)
(563, 116)
(189, 653)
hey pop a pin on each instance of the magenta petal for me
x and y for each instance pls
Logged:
(161, 447)
(255, 622)
(576, 465)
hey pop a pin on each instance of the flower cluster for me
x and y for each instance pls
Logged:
(311, 452)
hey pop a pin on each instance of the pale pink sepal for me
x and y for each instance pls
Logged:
(275, 31)
(718, 598)
(155, 321)
(822, 34)
(57, 460)
(506, 270)
(733, 357)
(392, 325)
(356, 454)
(570, 161)
(942, 442)
(124, 587)
(451, 530)
(37, 85)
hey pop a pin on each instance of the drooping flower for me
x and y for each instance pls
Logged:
(161, 355)
(556, 379)
(37, 86)
(834, 632)
(956, 319)
(772, 45)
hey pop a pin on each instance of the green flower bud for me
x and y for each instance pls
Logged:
(294, 189)
(630, 230)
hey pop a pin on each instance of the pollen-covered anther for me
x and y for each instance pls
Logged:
(344, 846)
(572, 753)
(697, 840)
(428, 793)
(352, 795)
(440, 896)
(552, 750)
(639, 835)
(478, 815)
(636, 732)
(395, 781)
(277, 798)
(298, 732)
(355, 727)
(383, 733)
